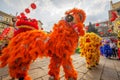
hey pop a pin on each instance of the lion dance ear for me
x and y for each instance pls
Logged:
(27, 22)
(77, 12)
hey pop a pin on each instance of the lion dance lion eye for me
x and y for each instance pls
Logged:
(69, 18)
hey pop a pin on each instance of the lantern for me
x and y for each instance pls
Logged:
(97, 24)
(22, 14)
(101, 33)
(27, 10)
(114, 15)
(112, 19)
(107, 23)
(5, 32)
(109, 30)
(86, 27)
(33, 6)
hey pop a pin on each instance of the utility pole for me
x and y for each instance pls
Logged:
(111, 5)
(14, 19)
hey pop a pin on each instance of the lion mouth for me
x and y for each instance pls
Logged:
(74, 26)
(76, 29)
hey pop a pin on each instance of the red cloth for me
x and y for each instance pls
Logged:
(20, 30)
(119, 53)
(0, 52)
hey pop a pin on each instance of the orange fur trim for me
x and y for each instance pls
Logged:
(63, 40)
(27, 78)
(21, 50)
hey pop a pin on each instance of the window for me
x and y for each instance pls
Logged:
(1, 18)
(7, 20)
(118, 11)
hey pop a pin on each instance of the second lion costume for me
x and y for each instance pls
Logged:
(90, 48)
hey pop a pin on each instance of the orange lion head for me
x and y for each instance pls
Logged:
(76, 18)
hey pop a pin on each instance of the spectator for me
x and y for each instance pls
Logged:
(113, 47)
(107, 51)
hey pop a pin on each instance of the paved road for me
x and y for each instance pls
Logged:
(108, 69)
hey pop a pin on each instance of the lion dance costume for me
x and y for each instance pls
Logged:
(60, 44)
(90, 48)
(23, 24)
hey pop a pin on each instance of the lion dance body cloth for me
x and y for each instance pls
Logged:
(90, 48)
(59, 45)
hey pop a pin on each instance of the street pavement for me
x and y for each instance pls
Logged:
(108, 69)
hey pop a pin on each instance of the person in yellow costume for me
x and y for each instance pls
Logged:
(90, 48)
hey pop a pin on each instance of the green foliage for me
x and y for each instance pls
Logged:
(77, 50)
(91, 28)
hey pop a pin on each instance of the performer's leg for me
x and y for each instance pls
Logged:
(93, 60)
(70, 72)
(98, 57)
(116, 50)
(54, 66)
(113, 52)
(22, 78)
(88, 61)
(19, 71)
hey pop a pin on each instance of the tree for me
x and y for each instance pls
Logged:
(91, 28)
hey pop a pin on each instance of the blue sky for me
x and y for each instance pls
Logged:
(50, 11)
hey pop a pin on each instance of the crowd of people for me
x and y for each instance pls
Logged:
(109, 48)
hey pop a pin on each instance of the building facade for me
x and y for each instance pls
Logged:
(115, 7)
(108, 28)
(102, 28)
(5, 20)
